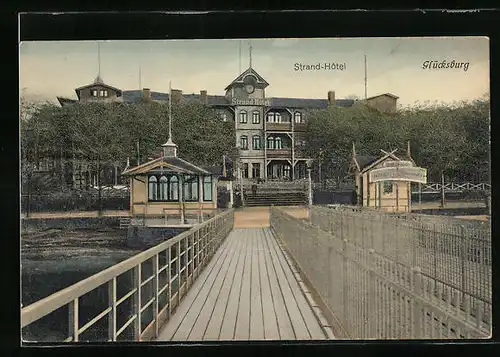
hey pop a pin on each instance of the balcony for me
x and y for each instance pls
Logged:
(300, 127)
(285, 153)
(279, 126)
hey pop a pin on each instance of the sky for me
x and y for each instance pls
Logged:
(393, 65)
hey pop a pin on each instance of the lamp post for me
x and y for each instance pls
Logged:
(240, 173)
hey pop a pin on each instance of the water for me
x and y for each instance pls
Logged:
(55, 259)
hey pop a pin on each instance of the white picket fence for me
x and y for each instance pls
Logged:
(451, 187)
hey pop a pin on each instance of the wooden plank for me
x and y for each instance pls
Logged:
(256, 314)
(175, 321)
(312, 323)
(242, 328)
(215, 325)
(271, 331)
(283, 320)
(294, 313)
(230, 315)
(213, 296)
(191, 315)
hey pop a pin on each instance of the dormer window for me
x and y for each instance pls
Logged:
(94, 93)
(105, 93)
(298, 117)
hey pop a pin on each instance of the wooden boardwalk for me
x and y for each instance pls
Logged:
(247, 292)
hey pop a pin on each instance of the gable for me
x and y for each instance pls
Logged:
(98, 86)
(251, 71)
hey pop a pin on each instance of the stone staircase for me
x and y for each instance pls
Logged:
(124, 222)
(276, 197)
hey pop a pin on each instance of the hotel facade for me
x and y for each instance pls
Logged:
(270, 131)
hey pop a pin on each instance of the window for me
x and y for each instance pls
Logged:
(298, 117)
(243, 142)
(256, 170)
(243, 117)
(224, 116)
(255, 117)
(270, 142)
(286, 171)
(163, 188)
(101, 93)
(190, 188)
(153, 188)
(174, 188)
(207, 188)
(105, 93)
(277, 117)
(300, 142)
(387, 186)
(244, 171)
(273, 117)
(94, 93)
(278, 143)
(256, 142)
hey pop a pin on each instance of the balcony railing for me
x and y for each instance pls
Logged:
(300, 127)
(279, 153)
(287, 126)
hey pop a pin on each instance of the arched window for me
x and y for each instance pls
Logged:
(255, 117)
(163, 188)
(190, 188)
(270, 117)
(153, 188)
(298, 117)
(270, 142)
(243, 117)
(243, 142)
(277, 117)
(174, 189)
(207, 188)
(278, 143)
(256, 142)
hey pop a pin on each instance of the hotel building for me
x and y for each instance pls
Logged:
(269, 130)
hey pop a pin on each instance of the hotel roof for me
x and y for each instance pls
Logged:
(132, 96)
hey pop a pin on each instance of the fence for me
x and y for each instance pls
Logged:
(450, 187)
(377, 278)
(160, 278)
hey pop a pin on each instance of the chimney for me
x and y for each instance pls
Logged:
(203, 97)
(176, 96)
(331, 98)
(146, 93)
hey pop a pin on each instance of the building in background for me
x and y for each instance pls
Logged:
(270, 131)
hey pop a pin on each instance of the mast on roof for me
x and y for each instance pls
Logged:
(99, 59)
(140, 77)
(239, 57)
(250, 53)
(169, 148)
(170, 112)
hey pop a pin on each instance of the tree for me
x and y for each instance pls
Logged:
(453, 139)
(107, 134)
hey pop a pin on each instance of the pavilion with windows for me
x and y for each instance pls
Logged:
(171, 191)
(385, 182)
